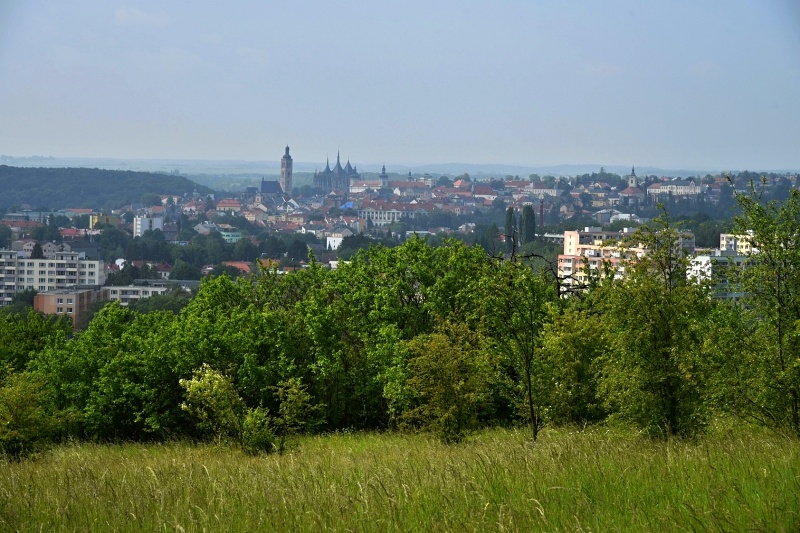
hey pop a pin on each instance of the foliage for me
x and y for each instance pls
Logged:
(86, 187)
(449, 377)
(573, 345)
(515, 303)
(22, 335)
(653, 375)
(257, 433)
(527, 225)
(771, 282)
(28, 421)
(185, 271)
(212, 401)
(295, 410)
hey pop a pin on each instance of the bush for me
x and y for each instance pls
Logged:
(257, 434)
(212, 401)
(28, 421)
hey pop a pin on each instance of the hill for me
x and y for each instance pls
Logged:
(57, 188)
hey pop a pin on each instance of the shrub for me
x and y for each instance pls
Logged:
(213, 403)
(28, 420)
(257, 434)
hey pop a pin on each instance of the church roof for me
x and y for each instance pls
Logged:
(270, 187)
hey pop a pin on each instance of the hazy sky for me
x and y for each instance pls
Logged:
(682, 83)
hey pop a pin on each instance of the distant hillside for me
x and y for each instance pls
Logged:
(57, 188)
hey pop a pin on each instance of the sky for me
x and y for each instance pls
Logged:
(706, 84)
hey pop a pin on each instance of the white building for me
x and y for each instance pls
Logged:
(62, 270)
(142, 224)
(126, 294)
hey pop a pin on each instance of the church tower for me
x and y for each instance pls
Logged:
(286, 173)
(632, 181)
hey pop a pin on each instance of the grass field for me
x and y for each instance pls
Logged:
(596, 480)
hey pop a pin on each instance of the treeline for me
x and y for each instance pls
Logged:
(444, 339)
(60, 188)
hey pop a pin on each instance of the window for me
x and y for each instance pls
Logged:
(59, 310)
(69, 310)
(69, 300)
(60, 301)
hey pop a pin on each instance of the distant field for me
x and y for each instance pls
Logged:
(598, 480)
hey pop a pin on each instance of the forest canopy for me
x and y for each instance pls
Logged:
(58, 188)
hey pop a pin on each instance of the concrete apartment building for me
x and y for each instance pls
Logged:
(599, 250)
(126, 294)
(72, 302)
(142, 224)
(60, 271)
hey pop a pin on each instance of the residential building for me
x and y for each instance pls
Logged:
(126, 294)
(71, 301)
(602, 253)
(105, 220)
(62, 270)
(142, 224)
(738, 244)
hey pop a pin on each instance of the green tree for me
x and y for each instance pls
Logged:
(212, 401)
(515, 310)
(5, 236)
(184, 270)
(29, 420)
(654, 375)
(510, 230)
(24, 335)
(450, 377)
(573, 345)
(527, 225)
(37, 252)
(770, 280)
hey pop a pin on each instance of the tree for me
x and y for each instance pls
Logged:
(770, 384)
(510, 229)
(5, 236)
(212, 401)
(527, 225)
(450, 372)
(183, 270)
(653, 374)
(515, 310)
(37, 252)
(573, 345)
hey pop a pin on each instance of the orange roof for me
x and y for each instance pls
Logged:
(243, 267)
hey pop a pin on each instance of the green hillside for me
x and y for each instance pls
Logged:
(58, 188)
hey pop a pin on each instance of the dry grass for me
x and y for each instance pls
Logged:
(596, 480)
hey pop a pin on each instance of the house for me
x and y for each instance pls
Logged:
(674, 187)
(229, 206)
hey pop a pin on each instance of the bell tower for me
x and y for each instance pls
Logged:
(286, 173)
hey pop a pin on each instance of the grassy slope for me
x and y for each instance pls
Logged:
(591, 481)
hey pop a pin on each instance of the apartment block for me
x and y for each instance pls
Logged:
(601, 252)
(126, 294)
(60, 271)
(142, 224)
(72, 302)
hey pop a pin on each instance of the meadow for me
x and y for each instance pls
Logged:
(598, 479)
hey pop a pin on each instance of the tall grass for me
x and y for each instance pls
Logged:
(597, 480)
